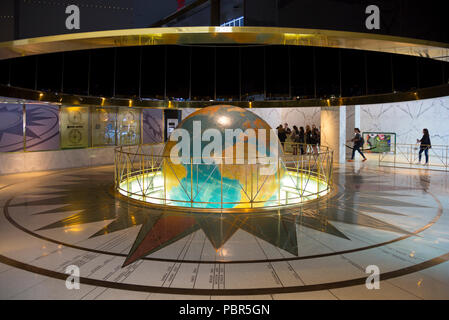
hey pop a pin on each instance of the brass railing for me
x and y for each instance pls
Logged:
(143, 173)
(407, 156)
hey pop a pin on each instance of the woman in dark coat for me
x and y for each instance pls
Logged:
(282, 135)
(425, 145)
(302, 139)
(295, 139)
(308, 137)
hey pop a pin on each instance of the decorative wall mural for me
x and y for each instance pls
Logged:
(11, 127)
(42, 124)
(152, 125)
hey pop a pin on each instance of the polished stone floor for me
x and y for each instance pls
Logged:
(395, 219)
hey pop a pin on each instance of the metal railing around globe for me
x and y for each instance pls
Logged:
(143, 173)
(407, 156)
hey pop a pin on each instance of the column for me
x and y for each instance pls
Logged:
(352, 121)
(333, 131)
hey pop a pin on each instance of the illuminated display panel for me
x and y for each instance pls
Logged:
(104, 126)
(128, 126)
(74, 124)
(379, 142)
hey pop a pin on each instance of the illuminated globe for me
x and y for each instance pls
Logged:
(214, 179)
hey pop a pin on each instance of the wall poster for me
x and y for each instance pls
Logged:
(104, 126)
(128, 126)
(379, 142)
(74, 124)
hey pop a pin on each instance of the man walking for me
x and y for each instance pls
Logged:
(358, 145)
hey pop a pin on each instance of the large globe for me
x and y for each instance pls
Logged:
(201, 183)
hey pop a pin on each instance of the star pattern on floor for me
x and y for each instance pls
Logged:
(88, 195)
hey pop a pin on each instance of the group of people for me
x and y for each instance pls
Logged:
(424, 147)
(307, 139)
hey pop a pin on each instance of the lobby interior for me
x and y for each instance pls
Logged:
(86, 182)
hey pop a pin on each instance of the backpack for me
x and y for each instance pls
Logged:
(359, 140)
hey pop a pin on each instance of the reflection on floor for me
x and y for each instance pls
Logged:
(395, 219)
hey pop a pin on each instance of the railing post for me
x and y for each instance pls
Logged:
(251, 185)
(447, 164)
(318, 175)
(128, 162)
(395, 152)
(302, 175)
(221, 184)
(165, 179)
(143, 175)
(297, 167)
(115, 168)
(191, 182)
(279, 181)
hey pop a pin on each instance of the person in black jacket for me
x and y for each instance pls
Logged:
(302, 139)
(308, 138)
(425, 145)
(295, 138)
(358, 144)
(282, 135)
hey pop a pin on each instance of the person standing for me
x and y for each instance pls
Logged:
(282, 135)
(302, 139)
(358, 144)
(295, 139)
(425, 145)
(308, 138)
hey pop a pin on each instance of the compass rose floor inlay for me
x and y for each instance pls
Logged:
(395, 219)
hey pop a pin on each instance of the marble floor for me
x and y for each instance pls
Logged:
(394, 219)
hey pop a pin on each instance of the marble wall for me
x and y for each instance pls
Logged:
(17, 162)
(407, 119)
(272, 116)
(301, 117)
(276, 116)
(187, 111)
